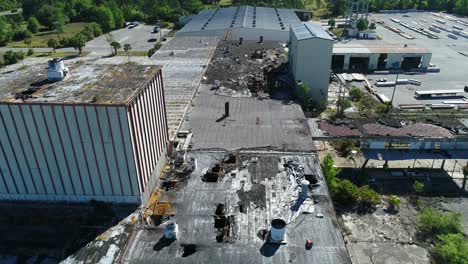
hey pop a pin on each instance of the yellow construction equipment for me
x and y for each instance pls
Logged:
(158, 205)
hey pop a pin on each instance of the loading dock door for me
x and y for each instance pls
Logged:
(338, 62)
(409, 63)
(359, 64)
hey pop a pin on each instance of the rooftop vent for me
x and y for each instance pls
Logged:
(56, 71)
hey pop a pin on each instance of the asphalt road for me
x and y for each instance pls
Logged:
(137, 37)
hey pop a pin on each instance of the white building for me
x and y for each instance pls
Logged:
(101, 134)
(310, 55)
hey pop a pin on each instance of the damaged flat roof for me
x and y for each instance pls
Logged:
(85, 84)
(254, 190)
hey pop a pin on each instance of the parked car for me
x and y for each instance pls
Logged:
(156, 29)
(152, 40)
(133, 24)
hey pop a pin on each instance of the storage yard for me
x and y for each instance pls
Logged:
(446, 55)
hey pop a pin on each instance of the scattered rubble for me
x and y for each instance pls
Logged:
(240, 70)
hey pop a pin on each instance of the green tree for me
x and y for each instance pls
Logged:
(49, 16)
(127, 48)
(361, 24)
(53, 43)
(27, 42)
(433, 223)
(104, 17)
(451, 249)
(78, 42)
(6, 32)
(115, 46)
(33, 24)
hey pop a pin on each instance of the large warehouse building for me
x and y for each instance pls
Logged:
(310, 55)
(100, 133)
(247, 22)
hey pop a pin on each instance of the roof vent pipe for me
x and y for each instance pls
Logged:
(304, 188)
(278, 229)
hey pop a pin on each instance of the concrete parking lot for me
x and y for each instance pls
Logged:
(138, 37)
(445, 54)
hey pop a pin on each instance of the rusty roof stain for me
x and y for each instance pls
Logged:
(412, 130)
(338, 130)
(85, 84)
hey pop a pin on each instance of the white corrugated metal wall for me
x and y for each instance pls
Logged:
(79, 152)
(66, 152)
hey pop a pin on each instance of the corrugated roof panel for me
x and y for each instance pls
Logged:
(242, 17)
(309, 30)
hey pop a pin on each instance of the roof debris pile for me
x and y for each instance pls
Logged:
(240, 70)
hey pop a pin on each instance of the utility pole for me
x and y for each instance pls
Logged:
(393, 94)
(338, 105)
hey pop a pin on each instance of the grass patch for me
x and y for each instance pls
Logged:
(58, 54)
(133, 53)
(339, 32)
(40, 39)
(369, 106)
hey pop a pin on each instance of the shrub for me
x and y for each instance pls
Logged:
(345, 193)
(368, 198)
(433, 223)
(11, 57)
(355, 94)
(451, 249)
(329, 171)
(345, 147)
(30, 52)
(151, 52)
(393, 203)
(418, 187)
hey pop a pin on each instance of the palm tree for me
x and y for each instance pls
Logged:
(115, 45)
(127, 48)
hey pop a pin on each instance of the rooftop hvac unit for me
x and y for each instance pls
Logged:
(56, 71)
